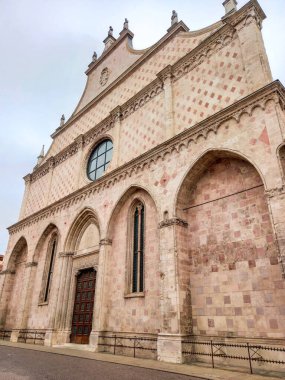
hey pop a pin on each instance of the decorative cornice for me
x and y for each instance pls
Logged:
(105, 242)
(272, 92)
(31, 264)
(173, 222)
(182, 67)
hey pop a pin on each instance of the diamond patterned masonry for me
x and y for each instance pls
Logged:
(185, 223)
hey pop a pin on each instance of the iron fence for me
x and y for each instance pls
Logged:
(5, 334)
(221, 353)
(129, 345)
(32, 336)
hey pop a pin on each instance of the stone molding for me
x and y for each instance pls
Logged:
(272, 92)
(105, 242)
(31, 264)
(173, 222)
(212, 44)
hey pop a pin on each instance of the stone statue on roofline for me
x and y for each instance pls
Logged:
(174, 18)
(94, 56)
(126, 24)
(110, 32)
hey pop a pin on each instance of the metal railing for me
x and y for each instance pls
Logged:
(5, 334)
(32, 336)
(219, 352)
(129, 345)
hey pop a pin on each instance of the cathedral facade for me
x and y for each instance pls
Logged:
(159, 209)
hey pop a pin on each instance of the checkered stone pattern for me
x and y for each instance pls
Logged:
(215, 84)
(142, 130)
(64, 179)
(169, 54)
(37, 196)
(236, 282)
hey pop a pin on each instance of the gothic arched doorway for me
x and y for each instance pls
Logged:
(83, 306)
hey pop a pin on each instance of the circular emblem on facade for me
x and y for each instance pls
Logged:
(104, 76)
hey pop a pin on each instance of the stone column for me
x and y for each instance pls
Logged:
(6, 277)
(169, 346)
(30, 275)
(58, 321)
(116, 116)
(254, 56)
(165, 76)
(276, 205)
(99, 309)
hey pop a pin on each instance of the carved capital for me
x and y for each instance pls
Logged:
(80, 141)
(105, 242)
(116, 114)
(7, 271)
(271, 193)
(28, 178)
(51, 162)
(173, 222)
(31, 264)
(66, 254)
(165, 74)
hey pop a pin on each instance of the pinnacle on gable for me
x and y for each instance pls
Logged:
(41, 155)
(230, 6)
(110, 39)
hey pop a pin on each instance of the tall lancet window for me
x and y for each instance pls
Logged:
(48, 270)
(138, 249)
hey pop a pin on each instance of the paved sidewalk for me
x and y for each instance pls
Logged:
(182, 369)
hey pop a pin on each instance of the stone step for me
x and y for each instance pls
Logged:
(74, 346)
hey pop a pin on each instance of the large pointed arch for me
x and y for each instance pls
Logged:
(86, 218)
(20, 248)
(50, 229)
(199, 166)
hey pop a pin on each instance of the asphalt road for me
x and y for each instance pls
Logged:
(21, 364)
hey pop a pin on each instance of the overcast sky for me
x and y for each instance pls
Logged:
(45, 48)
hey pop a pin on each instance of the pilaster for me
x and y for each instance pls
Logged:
(116, 116)
(99, 309)
(254, 56)
(165, 76)
(27, 180)
(169, 344)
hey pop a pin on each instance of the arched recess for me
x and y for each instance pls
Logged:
(119, 297)
(84, 233)
(12, 298)
(43, 278)
(228, 239)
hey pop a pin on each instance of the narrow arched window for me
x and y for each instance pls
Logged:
(138, 249)
(49, 269)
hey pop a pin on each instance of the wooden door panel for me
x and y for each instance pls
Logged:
(83, 307)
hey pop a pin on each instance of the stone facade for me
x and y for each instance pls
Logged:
(1, 262)
(198, 128)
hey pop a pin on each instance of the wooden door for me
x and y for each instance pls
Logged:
(83, 307)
